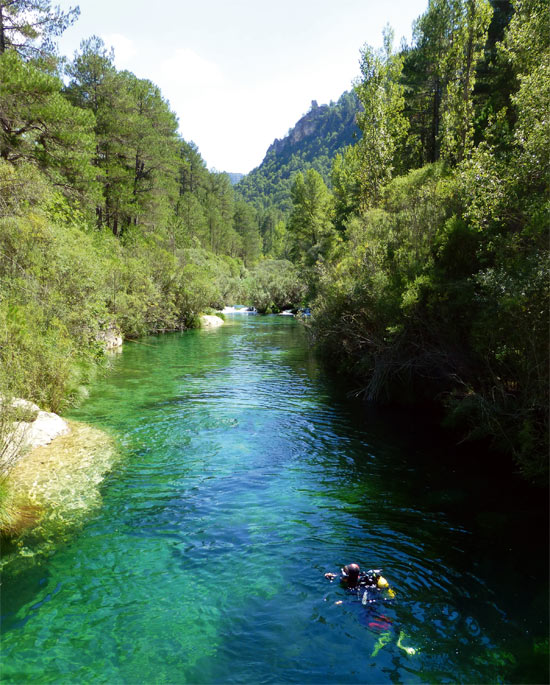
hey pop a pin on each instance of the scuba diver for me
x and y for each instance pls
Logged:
(352, 578)
(371, 586)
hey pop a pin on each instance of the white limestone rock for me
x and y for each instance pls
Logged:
(46, 427)
(35, 428)
(211, 321)
(111, 338)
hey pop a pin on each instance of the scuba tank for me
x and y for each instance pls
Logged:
(381, 583)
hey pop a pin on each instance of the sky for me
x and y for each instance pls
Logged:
(240, 73)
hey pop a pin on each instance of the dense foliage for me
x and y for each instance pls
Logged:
(439, 288)
(63, 281)
(425, 250)
(108, 218)
(275, 285)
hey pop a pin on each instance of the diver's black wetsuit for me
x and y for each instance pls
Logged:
(365, 579)
(366, 586)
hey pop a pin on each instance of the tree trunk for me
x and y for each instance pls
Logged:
(466, 92)
(434, 153)
(2, 35)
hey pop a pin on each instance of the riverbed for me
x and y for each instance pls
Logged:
(245, 473)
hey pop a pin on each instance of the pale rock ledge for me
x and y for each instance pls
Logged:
(111, 338)
(211, 321)
(38, 428)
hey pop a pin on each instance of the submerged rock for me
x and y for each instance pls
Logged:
(54, 488)
(63, 471)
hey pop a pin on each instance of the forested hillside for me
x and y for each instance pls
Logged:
(427, 260)
(311, 144)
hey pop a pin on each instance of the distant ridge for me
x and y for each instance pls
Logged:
(312, 143)
(234, 178)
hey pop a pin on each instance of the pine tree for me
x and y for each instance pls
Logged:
(39, 125)
(28, 27)
(137, 144)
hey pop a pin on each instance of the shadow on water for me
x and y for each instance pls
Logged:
(499, 526)
(249, 474)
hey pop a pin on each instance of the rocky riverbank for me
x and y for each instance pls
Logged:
(53, 481)
(27, 427)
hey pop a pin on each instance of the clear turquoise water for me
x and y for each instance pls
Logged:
(246, 475)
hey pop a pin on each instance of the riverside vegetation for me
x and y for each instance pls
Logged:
(426, 250)
(108, 218)
(423, 252)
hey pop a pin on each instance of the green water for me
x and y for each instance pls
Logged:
(246, 474)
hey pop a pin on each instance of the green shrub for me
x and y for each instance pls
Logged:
(274, 285)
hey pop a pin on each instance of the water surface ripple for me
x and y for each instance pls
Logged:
(246, 475)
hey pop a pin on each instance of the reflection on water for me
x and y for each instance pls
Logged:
(246, 475)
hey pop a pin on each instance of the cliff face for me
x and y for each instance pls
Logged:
(305, 127)
(311, 143)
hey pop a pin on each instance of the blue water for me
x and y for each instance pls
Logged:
(246, 474)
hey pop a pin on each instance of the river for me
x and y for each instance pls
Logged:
(246, 474)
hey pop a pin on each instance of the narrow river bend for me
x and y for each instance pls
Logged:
(246, 475)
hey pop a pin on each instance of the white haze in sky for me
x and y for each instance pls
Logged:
(240, 74)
